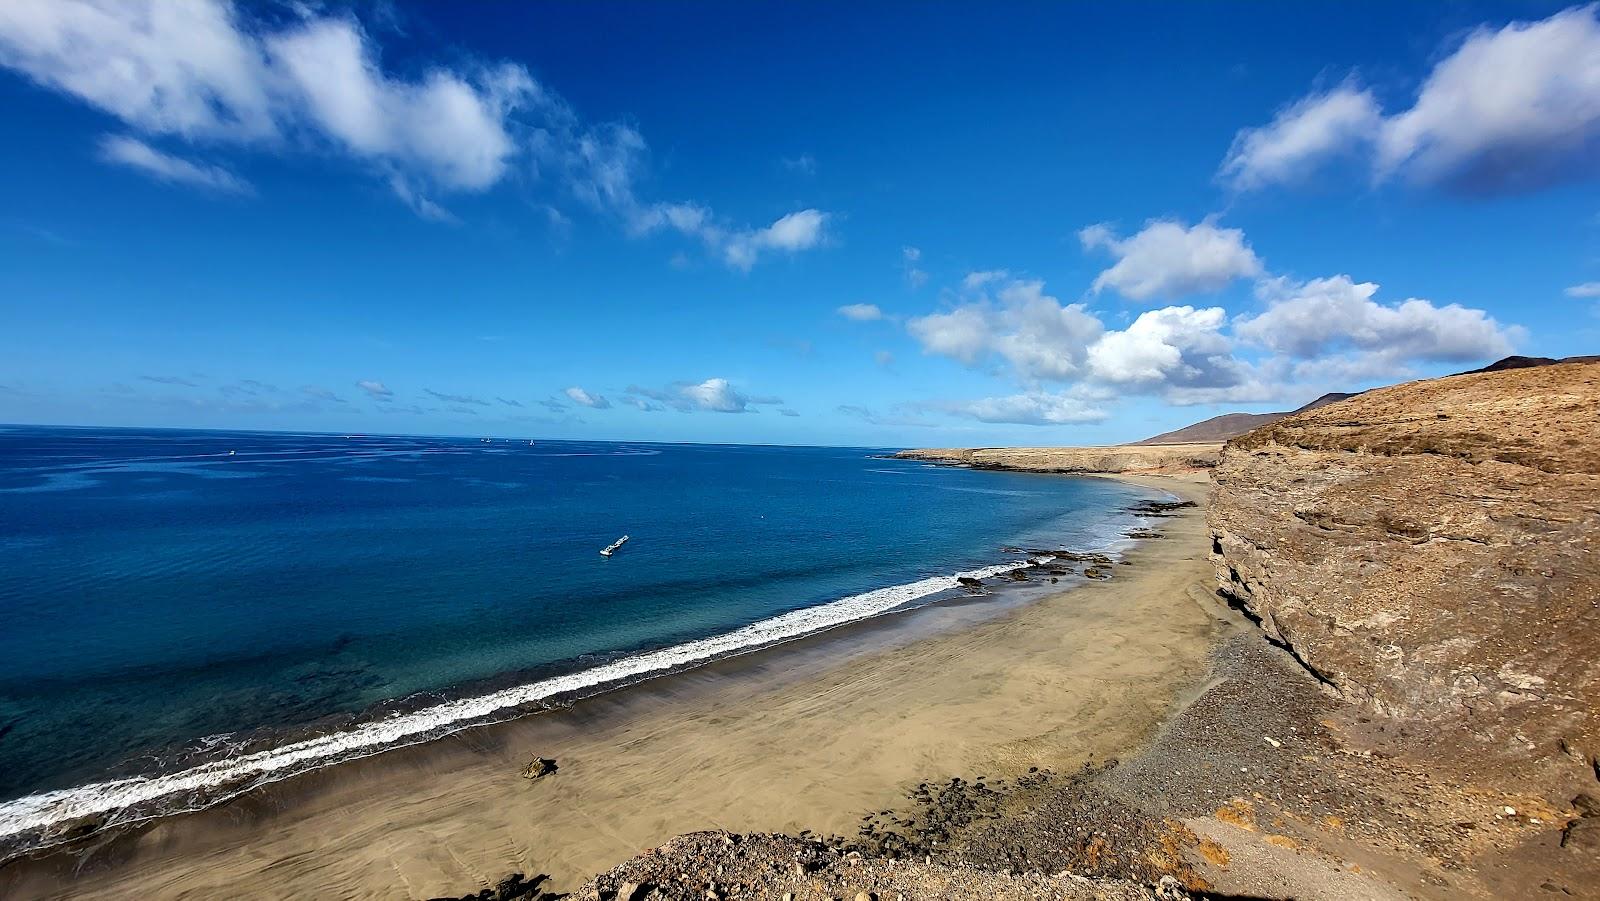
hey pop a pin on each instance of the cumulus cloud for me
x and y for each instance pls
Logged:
(1173, 347)
(861, 312)
(209, 73)
(375, 389)
(792, 233)
(1170, 259)
(1015, 320)
(1317, 318)
(1310, 130)
(585, 399)
(1585, 290)
(717, 395)
(1033, 408)
(1321, 333)
(1509, 109)
(200, 72)
(137, 155)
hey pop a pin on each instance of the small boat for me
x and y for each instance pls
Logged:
(612, 547)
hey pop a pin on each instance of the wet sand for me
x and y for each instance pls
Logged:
(808, 735)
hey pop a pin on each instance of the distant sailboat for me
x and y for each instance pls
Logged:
(612, 547)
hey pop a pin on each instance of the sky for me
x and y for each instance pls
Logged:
(893, 224)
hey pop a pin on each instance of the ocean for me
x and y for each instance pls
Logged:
(188, 613)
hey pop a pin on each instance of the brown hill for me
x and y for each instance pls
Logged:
(1232, 425)
(1432, 551)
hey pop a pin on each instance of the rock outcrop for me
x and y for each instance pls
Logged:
(1126, 458)
(1432, 551)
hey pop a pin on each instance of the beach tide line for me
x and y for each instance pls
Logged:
(31, 822)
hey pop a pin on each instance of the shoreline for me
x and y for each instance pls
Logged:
(159, 856)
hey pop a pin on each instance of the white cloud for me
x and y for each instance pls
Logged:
(1034, 408)
(1170, 259)
(199, 72)
(584, 398)
(1038, 336)
(910, 257)
(883, 358)
(792, 233)
(375, 389)
(861, 312)
(1509, 109)
(1322, 334)
(717, 395)
(1341, 120)
(203, 72)
(136, 154)
(1321, 317)
(1585, 290)
(1170, 346)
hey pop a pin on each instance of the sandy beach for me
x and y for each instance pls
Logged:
(808, 735)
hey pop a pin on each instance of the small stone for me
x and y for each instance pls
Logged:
(628, 891)
(866, 896)
(538, 768)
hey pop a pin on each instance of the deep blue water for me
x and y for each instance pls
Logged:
(161, 586)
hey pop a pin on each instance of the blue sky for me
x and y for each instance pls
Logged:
(905, 224)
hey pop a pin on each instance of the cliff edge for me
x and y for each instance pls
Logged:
(1164, 459)
(1431, 551)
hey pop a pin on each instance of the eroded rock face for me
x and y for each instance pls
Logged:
(1432, 550)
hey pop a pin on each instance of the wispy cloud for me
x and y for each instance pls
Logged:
(456, 398)
(170, 380)
(375, 389)
(861, 312)
(805, 164)
(320, 393)
(1585, 290)
(910, 263)
(136, 154)
(508, 401)
(585, 399)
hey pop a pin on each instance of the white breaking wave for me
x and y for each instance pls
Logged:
(38, 813)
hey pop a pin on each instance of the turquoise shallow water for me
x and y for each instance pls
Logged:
(164, 592)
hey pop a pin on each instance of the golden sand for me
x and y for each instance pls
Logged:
(808, 735)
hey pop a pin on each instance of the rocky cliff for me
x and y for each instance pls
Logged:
(1127, 458)
(1432, 551)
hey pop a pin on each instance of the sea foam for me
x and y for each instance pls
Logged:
(35, 820)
